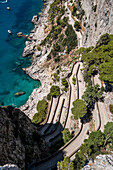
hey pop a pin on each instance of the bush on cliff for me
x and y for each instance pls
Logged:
(77, 25)
(64, 82)
(111, 108)
(41, 108)
(66, 135)
(55, 91)
(79, 109)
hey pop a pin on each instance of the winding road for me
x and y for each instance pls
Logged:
(70, 148)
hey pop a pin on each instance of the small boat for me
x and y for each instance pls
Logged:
(9, 32)
(8, 8)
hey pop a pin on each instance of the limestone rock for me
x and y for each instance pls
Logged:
(98, 21)
(101, 162)
(19, 93)
(34, 19)
(29, 49)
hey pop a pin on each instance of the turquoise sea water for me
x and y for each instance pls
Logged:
(12, 77)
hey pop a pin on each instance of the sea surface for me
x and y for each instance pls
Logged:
(12, 77)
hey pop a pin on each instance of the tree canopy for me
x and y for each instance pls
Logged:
(66, 164)
(111, 108)
(55, 91)
(41, 108)
(99, 58)
(92, 94)
(66, 135)
(64, 82)
(108, 131)
(79, 109)
(77, 25)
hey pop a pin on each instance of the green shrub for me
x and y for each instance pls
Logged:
(111, 108)
(65, 89)
(66, 135)
(94, 8)
(41, 108)
(56, 77)
(64, 82)
(77, 25)
(104, 40)
(55, 91)
(49, 57)
(38, 48)
(49, 97)
(79, 109)
(57, 59)
(56, 47)
(73, 80)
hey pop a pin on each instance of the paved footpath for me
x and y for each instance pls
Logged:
(50, 117)
(103, 112)
(73, 95)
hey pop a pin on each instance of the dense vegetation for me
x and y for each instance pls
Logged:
(77, 25)
(66, 164)
(66, 135)
(91, 95)
(64, 82)
(41, 108)
(54, 91)
(79, 109)
(96, 144)
(100, 58)
(73, 80)
(62, 36)
(111, 108)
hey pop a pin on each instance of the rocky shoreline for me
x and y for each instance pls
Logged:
(35, 71)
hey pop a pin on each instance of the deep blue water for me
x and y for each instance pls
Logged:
(12, 77)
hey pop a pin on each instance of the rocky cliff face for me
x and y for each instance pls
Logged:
(20, 142)
(102, 162)
(98, 20)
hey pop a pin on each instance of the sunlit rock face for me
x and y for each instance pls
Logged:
(98, 20)
(101, 162)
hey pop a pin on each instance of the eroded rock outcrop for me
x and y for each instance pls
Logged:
(20, 142)
(101, 162)
(98, 20)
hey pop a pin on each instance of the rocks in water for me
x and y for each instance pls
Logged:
(17, 94)
(20, 141)
(34, 19)
(20, 34)
(29, 49)
(8, 8)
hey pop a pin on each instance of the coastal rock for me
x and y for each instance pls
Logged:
(20, 141)
(17, 94)
(37, 54)
(19, 34)
(29, 49)
(34, 19)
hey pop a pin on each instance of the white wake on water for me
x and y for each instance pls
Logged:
(3, 2)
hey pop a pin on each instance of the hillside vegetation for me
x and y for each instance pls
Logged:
(99, 59)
